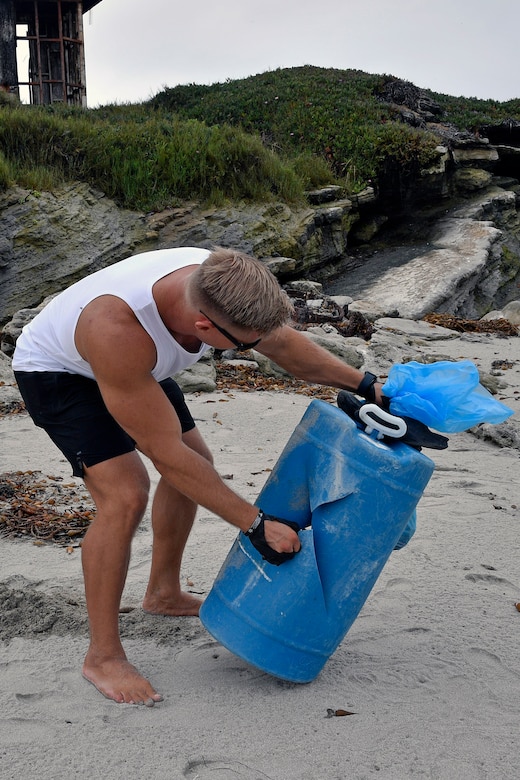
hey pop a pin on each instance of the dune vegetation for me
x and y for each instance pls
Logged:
(274, 135)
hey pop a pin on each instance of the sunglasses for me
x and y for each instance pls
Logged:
(240, 345)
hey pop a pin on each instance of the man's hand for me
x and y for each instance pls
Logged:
(417, 434)
(275, 539)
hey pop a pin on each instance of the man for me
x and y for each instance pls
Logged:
(93, 368)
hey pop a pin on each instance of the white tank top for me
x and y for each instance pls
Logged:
(47, 342)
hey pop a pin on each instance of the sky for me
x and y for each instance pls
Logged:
(136, 48)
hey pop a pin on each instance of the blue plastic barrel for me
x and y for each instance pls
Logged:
(357, 494)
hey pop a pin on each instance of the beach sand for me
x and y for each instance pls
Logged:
(430, 669)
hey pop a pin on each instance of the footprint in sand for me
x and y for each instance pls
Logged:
(499, 679)
(221, 769)
(491, 579)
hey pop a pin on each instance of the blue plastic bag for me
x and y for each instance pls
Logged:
(445, 396)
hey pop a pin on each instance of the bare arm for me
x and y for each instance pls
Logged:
(122, 356)
(301, 357)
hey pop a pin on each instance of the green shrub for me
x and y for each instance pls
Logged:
(308, 110)
(6, 176)
(149, 163)
(473, 113)
(42, 178)
(312, 170)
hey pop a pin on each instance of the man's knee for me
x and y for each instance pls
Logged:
(134, 500)
(121, 493)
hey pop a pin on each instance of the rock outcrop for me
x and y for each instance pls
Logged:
(466, 264)
(299, 241)
(50, 240)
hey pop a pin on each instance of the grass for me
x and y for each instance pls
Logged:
(145, 162)
(269, 136)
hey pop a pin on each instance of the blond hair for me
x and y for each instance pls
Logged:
(241, 290)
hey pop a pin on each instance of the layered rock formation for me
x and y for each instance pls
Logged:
(465, 264)
(50, 240)
(461, 241)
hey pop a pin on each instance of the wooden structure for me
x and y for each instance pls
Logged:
(52, 32)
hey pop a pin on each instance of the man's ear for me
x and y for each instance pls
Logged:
(203, 324)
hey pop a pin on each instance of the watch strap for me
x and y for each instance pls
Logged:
(256, 522)
(366, 387)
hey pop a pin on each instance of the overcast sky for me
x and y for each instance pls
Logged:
(134, 48)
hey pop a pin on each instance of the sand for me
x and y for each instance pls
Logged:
(430, 669)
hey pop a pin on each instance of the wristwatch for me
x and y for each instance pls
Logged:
(256, 522)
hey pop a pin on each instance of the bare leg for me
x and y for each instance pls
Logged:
(119, 488)
(172, 519)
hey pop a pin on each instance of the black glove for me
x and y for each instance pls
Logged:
(417, 434)
(257, 537)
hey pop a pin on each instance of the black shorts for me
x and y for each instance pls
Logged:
(72, 411)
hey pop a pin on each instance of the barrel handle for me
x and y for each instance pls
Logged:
(386, 424)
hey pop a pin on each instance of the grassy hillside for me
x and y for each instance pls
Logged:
(333, 114)
(271, 135)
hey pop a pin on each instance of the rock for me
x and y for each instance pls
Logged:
(439, 166)
(494, 204)
(200, 377)
(76, 230)
(333, 214)
(325, 195)
(506, 131)
(505, 182)
(12, 329)
(510, 312)
(506, 434)
(336, 344)
(269, 367)
(49, 240)
(399, 341)
(369, 310)
(318, 310)
(9, 393)
(8, 388)
(6, 372)
(421, 330)
(342, 301)
(315, 303)
(402, 94)
(471, 179)
(281, 266)
(366, 197)
(464, 263)
(9, 397)
(484, 155)
(384, 350)
(305, 286)
(365, 231)
(296, 242)
(491, 382)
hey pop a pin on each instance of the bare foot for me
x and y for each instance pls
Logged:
(182, 605)
(118, 680)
